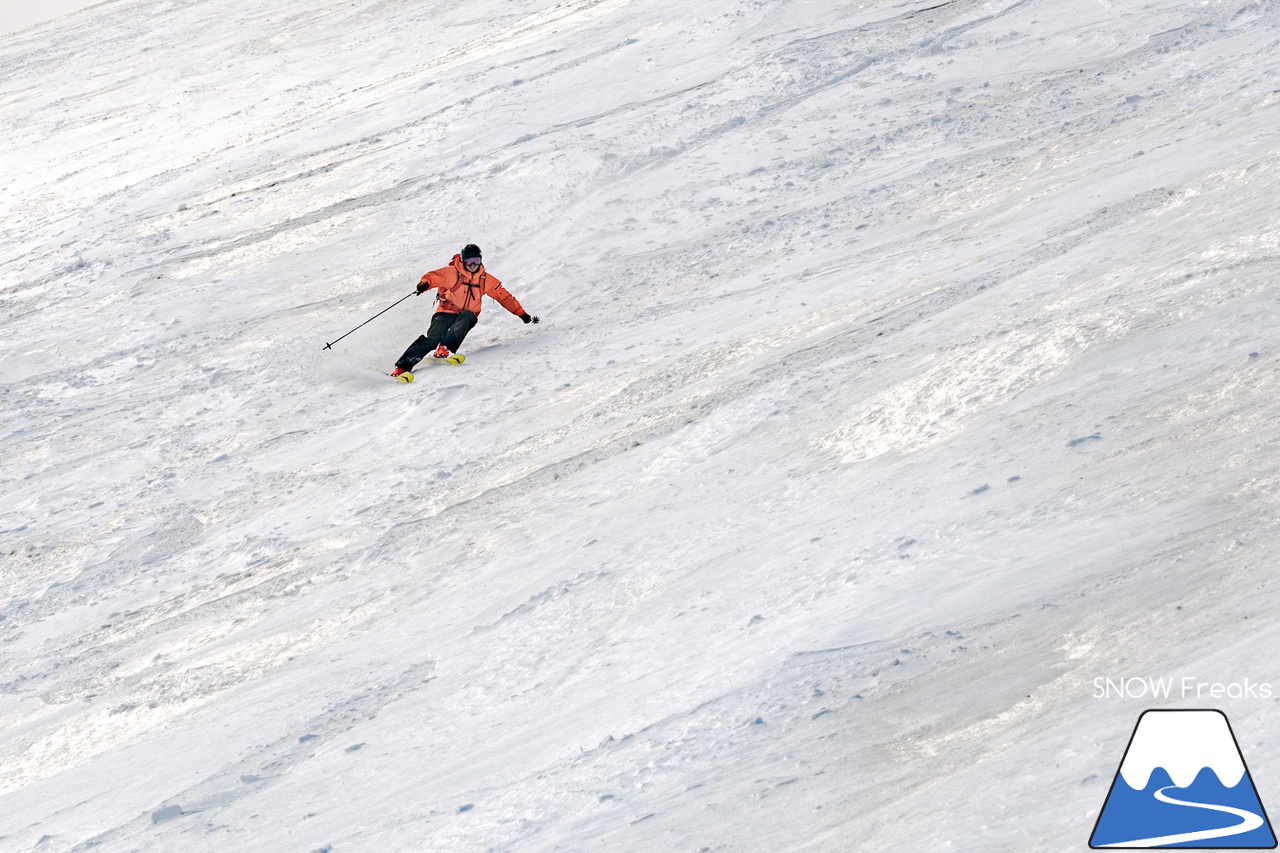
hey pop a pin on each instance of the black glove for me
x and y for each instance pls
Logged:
(422, 287)
(527, 318)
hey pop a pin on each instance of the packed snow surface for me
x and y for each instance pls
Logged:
(905, 371)
(19, 14)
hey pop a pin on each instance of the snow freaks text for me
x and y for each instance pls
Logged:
(1186, 687)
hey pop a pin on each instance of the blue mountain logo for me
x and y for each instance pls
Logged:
(1183, 783)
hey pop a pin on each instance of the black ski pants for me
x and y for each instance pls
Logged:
(447, 329)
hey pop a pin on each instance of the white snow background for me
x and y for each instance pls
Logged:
(903, 368)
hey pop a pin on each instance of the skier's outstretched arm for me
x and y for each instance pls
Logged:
(506, 300)
(433, 279)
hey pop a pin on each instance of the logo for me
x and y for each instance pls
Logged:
(1183, 783)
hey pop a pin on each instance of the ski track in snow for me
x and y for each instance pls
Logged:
(903, 367)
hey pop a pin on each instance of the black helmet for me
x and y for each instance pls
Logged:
(470, 251)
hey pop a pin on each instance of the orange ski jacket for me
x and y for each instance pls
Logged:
(459, 290)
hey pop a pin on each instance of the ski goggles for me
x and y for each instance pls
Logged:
(471, 262)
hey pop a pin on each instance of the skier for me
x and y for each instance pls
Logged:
(460, 287)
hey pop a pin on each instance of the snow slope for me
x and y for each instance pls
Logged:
(903, 369)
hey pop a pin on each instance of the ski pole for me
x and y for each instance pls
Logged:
(374, 317)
